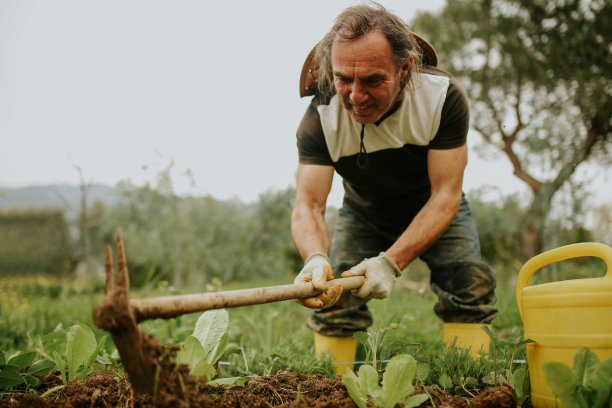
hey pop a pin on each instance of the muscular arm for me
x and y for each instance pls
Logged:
(308, 227)
(445, 169)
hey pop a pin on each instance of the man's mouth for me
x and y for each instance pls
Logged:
(361, 108)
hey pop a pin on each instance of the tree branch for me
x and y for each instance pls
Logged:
(598, 128)
(508, 140)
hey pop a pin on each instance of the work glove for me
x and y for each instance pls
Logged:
(379, 272)
(317, 269)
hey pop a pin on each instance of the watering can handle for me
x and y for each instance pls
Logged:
(598, 250)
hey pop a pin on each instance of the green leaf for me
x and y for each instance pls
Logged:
(191, 353)
(218, 350)
(31, 381)
(350, 381)
(41, 367)
(94, 355)
(211, 331)
(100, 359)
(378, 397)
(203, 368)
(415, 400)
(445, 381)
(561, 380)
(471, 382)
(80, 344)
(422, 370)
(59, 336)
(9, 376)
(60, 364)
(498, 341)
(519, 381)
(488, 379)
(368, 379)
(361, 336)
(585, 364)
(239, 381)
(2, 358)
(601, 384)
(397, 378)
(22, 360)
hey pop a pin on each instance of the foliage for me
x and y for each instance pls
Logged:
(74, 351)
(372, 340)
(455, 369)
(396, 384)
(202, 349)
(20, 371)
(588, 385)
(265, 339)
(534, 74)
(499, 230)
(34, 242)
(198, 239)
(517, 379)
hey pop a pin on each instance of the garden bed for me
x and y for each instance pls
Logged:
(105, 389)
(175, 387)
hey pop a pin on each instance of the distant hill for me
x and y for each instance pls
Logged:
(62, 196)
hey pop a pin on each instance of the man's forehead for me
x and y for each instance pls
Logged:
(371, 43)
(369, 51)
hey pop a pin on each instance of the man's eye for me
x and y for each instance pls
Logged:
(374, 82)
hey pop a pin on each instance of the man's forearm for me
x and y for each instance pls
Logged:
(427, 226)
(309, 231)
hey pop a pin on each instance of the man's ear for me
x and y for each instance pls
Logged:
(405, 68)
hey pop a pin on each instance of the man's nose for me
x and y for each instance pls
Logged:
(358, 94)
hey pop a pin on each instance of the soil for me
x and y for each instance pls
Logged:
(105, 389)
(175, 387)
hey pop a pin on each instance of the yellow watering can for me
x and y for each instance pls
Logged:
(563, 316)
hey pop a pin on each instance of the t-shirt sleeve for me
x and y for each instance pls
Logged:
(455, 119)
(312, 148)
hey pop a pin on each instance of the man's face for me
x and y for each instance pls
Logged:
(365, 76)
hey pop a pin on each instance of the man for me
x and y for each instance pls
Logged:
(394, 128)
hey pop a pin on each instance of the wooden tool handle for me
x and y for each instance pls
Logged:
(173, 306)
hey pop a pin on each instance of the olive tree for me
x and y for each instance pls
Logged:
(538, 74)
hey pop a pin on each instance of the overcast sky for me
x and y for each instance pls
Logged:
(122, 88)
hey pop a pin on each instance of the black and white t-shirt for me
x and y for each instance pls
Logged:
(394, 185)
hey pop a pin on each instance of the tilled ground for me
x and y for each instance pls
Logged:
(175, 387)
(104, 389)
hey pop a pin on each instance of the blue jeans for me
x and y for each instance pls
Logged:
(464, 284)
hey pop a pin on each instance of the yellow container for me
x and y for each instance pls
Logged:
(563, 316)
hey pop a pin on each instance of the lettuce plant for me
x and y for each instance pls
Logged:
(21, 371)
(204, 347)
(397, 386)
(588, 385)
(74, 351)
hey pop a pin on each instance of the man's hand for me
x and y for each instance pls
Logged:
(318, 270)
(379, 272)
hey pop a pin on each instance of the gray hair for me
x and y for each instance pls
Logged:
(357, 21)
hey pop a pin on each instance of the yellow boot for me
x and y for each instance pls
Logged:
(468, 335)
(341, 350)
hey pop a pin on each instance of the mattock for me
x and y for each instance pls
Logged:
(120, 315)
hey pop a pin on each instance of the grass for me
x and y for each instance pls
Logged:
(263, 338)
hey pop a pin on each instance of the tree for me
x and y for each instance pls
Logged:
(538, 74)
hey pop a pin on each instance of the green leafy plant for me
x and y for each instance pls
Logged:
(397, 386)
(372, 339)
(21, 371)
(517, 378)
(589, 384)
(74, 351)
(202, 349)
